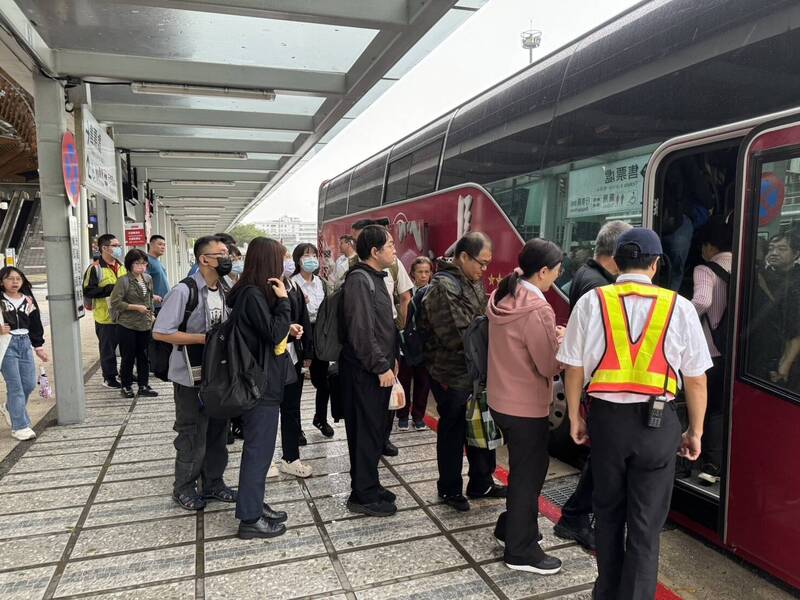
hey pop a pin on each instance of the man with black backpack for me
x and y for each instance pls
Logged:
(193, 307)
(710, 298)
(456, 296)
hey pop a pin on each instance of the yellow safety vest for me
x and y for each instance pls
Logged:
(100, 308)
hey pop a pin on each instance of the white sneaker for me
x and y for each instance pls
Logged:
(273, 471)
(5, 413)
(24, 434)
(296, 468)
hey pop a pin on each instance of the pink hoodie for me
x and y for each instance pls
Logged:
(522, 354)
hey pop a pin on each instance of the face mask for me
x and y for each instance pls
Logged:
(117, 252)
(310, 265)
(238, 267)
(224, 266)
(288, 267)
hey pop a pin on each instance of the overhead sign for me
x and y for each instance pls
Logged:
(135, 235)
(605, 189)
(100, 169)
(70, 168)
(770, 201)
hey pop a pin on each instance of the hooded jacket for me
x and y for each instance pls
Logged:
(449, 308)
(522, 354)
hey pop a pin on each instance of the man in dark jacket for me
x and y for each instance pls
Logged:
(601, 270)
(367, 369)
(453, 301)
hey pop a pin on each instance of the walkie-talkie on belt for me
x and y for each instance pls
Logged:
(655, 406)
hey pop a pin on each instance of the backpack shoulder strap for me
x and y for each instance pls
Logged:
(718, 270)
(191, 303)
(369, 279)
(450, 282)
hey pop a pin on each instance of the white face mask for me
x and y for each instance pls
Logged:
(288, 267)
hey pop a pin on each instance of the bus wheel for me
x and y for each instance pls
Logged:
(561, 445)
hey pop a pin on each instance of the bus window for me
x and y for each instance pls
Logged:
(570, 203)
(772, 315)
(366, 186)
(397, 180)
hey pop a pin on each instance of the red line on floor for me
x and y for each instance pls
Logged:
(552, 512)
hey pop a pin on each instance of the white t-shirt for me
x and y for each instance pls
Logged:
(403, 285)
(215, 307)
(16, 303)
(314, 293)
(684, 343)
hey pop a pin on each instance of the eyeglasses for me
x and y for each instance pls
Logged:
(217, 255)
(483, 263)
(141, 263)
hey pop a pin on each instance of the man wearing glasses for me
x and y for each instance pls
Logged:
(200, 444)
(455, 298)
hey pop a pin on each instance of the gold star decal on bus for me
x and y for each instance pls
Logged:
(494, 279)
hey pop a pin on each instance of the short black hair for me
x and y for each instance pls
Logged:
(718, 233)
(105, 239)
(234, 251)
(202, 244)
(133, 256)
(363, 223)
(347, 238)
(372, 236)
(226, 238)
(628, 258)
(790, 237)
(156, 237)
(472, 243)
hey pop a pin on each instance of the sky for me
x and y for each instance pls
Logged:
(483, 51)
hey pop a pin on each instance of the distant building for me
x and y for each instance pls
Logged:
(290, 230)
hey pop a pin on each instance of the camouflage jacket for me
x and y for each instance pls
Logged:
(449, 308)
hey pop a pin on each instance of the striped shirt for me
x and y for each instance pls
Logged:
(711, 296)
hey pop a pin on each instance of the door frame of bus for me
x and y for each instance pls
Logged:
(741, 129)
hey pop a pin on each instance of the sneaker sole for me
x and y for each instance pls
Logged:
(358, 508)
(532, 569)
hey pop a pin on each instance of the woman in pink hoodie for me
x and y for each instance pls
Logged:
(523, 341)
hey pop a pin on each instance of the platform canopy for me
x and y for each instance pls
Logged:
(217, 101)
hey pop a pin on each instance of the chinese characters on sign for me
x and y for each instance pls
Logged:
(135, 235)
(611, 188)
(100, 170)
(77, 272)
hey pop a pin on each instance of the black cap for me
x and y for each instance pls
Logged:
(646, 242)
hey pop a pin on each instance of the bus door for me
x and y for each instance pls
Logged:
(763, 500)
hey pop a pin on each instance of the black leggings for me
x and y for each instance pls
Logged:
(290, 417)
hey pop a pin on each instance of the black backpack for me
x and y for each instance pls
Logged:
(233, 381)
(719, 335)
(160, 352)
(328, 330)
(415, 335)
(476, 349)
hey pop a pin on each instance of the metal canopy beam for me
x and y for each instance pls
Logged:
(154, 161)
(379, 14)
(23, 31)
(206, 175)
(87, 65)
(202, 193)
(162, 115)
(194, 144)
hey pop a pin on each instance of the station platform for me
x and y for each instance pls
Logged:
(86, 512)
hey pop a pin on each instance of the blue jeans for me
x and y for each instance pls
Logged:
(19, 371)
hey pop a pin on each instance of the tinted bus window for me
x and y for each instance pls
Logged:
(772, 318)
(366, 186)
(424, 169)
(397, 179)
(336, 199)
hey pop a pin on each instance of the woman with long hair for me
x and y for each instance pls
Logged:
(305, 277)
(260, 305)
(523, 342)
(23, 320)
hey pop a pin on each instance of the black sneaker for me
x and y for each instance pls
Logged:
(389, 449)
(146, 390)
(581, 531)
(456, 501)
(263, 528)
(495, 491)
(549, 565)
(324, 428)
(709, 474)
(127, 392)
(112, 383)
(402, 424)
(420, 425)
(301, 440)
(381, 508)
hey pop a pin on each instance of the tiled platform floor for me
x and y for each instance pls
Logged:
(86, 513)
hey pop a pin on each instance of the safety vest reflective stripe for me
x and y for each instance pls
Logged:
(639, 367)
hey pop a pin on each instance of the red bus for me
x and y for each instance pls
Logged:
(674, 110)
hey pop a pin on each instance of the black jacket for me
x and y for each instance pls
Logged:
(299, 315)
(371, 335)
(262, 329)
(27, 317)
(590, 276)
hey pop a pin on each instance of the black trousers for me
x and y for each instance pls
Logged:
(451, 439)
(579, 505)
(107, 336)
(365, 405)
(290, 416)
(133, 349)
(634, 470)
(318, 371)
(200, 451)
(528, 461)
(260, 428)
(712, 440)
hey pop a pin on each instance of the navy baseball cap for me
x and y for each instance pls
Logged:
(646, 242)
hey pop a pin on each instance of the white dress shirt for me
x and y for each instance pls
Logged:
(313, 292)
(584, 345)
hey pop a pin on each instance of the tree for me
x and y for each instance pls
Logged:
(245, 232)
